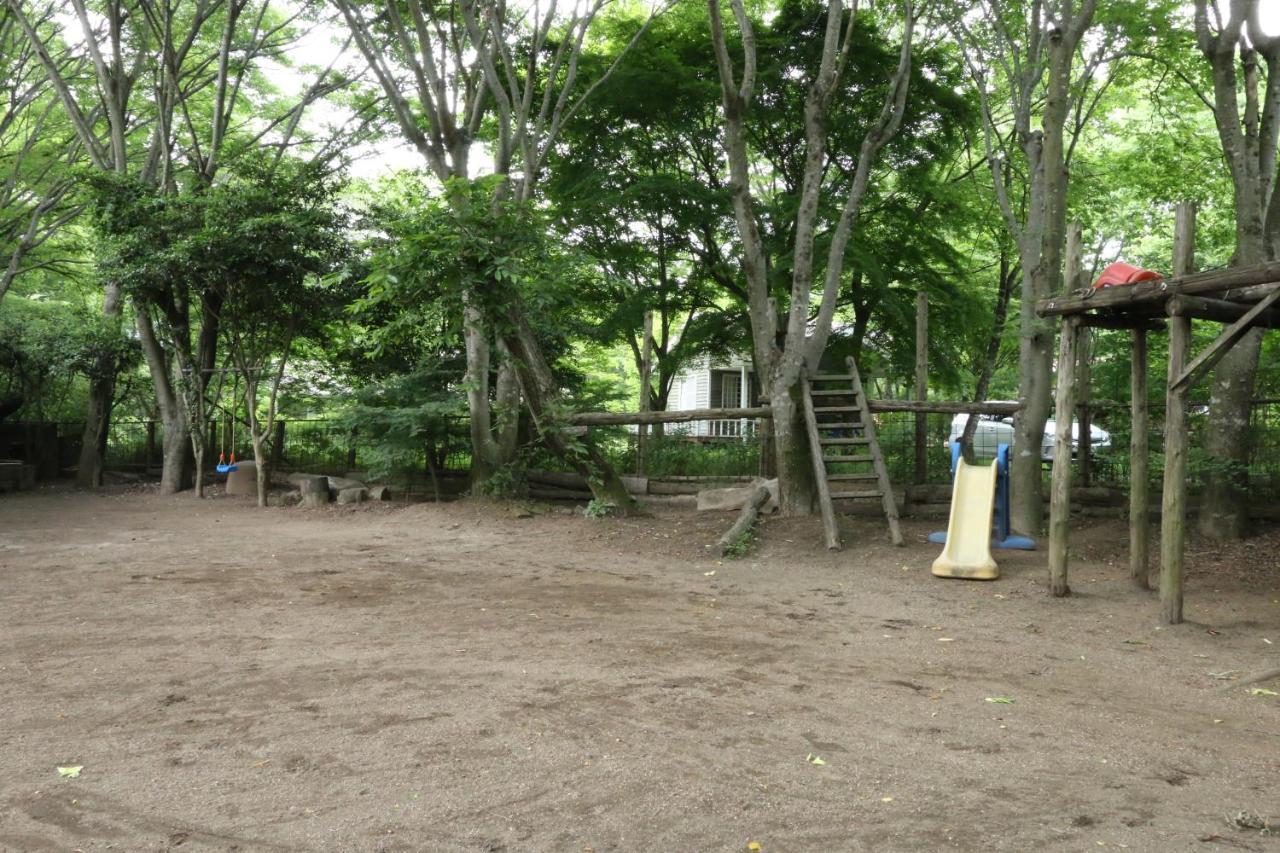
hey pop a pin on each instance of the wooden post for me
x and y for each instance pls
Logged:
(646, 373)
(830, 529)
(1073, 273)
(1173, 504)
(1060, 492)
(351, 450)
(922, 386)
(1184, 238)
(1139, 462)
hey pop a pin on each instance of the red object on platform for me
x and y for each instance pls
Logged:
(1121, 273)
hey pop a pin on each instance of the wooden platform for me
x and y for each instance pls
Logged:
(1148, 299)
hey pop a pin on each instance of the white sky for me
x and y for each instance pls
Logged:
(1270, 15)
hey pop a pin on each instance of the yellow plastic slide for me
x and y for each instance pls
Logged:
(967, 553)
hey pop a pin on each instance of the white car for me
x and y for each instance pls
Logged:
(994, 430)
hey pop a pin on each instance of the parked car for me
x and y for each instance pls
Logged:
(994, 430)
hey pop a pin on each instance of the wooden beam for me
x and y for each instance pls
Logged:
(1173, 505)
(1213, 353)
(1146, 322)
(1060, 491)
(1139, 463)
(1156, 292)
(945, 407)
(942, 407)
(1248, 294)
(664, 417)
(1220, 310)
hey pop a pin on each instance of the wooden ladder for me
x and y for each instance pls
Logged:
(840, 422)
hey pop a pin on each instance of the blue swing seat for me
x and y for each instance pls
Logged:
(223, 468)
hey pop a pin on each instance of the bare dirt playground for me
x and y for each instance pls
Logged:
(454, 678)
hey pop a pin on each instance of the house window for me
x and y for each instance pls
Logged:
(726, 390)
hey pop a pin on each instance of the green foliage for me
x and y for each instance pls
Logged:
(408, 418)
(508, 481)
(46, 345)
(597, 508)
(672, 455)
(740, 547)
(258, 238)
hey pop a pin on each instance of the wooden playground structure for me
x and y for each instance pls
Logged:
(1239, 298)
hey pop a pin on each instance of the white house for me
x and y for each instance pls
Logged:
(722, 381)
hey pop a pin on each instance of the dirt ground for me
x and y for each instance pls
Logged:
(454, 678)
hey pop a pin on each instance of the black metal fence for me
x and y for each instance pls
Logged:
(679, 450)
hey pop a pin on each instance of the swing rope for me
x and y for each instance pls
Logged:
(224, 466)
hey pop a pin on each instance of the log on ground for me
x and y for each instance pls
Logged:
(746, 518)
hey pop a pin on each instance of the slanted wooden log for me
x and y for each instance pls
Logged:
(746, 518)
(1212, 354)
(315, 490)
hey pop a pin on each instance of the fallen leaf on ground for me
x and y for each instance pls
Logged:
(708, 574)
(1262, 691)
(815, 760)
(754, 846)
(70, 772)
(999, 700)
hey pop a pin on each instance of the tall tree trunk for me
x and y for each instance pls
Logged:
(102, 388)
(1043, 242)
(1044, 57)
(175, 474)
(507, 399)
(1035, 369)
(538, 386)
(1224, 507)
(484, 452)
(1249, 141)
(797, 488)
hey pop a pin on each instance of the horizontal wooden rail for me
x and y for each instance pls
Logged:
(665, 417)
(942, 407)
